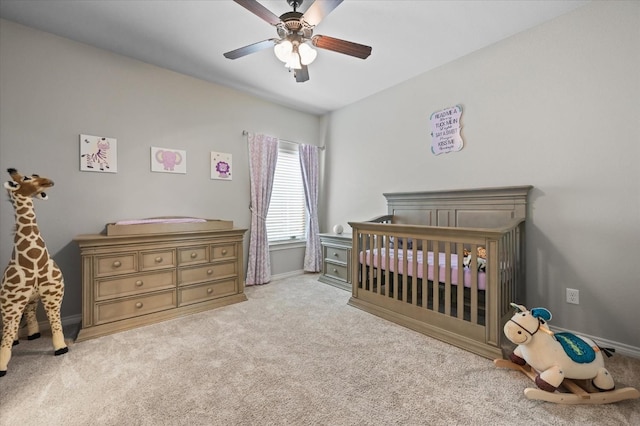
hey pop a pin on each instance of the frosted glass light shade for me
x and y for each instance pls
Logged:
(307, 54)
(294, 61)
(283, 50)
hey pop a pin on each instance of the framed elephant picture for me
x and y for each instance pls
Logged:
(168, 160)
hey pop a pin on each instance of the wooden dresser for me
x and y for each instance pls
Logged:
(134, 280)
(336, 259)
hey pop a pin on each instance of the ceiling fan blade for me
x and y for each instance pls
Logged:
(259, 10)
(318, 10)
(252, 48)
(302, 74)
(342, 46)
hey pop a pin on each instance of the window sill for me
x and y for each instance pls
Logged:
(287, 245)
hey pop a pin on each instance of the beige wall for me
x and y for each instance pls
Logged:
(52, 90)
(556, 107)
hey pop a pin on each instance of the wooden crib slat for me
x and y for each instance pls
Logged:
(460, 288)
(447, 279)
(474, 284)
(435, 248)
(405, 275)
(378, 284)
(425, 274)
(414, 269)
(370, 245)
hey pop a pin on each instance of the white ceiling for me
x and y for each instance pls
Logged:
(409, 37)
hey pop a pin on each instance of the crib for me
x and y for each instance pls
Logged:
(445, 263)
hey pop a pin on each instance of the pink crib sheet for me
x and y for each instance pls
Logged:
(380, 259)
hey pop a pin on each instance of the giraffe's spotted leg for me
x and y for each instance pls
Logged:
(51, 302)
(33, 328)
(10, 326)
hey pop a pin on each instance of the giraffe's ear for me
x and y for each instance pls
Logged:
(11, 186)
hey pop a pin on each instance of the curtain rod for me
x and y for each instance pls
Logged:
(244, 133)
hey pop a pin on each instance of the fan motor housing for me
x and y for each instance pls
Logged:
(292, 20)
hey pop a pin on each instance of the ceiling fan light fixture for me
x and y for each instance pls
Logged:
(307, 54)
(283, 50)
(294, 60)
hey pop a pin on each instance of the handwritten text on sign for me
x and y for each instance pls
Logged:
(445, 130)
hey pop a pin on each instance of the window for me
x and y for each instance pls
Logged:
(287, 219)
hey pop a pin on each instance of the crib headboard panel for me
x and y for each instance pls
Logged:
(466, 208)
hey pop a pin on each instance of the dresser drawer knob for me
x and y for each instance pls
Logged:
(117, 264)
(209, 271)
(209, 290)
(194, 255)
(139, 283)
(224, 252)
(158, 259)
(336, 254)
(139, 305)
(335, 270)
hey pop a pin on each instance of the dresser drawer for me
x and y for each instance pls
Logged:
(336, 271)
(204, 292)
(193, 255)
(157, 259)
(134, 306)
(222, 252)
(336, 254)
(206, 273)
(127, 286)
(125, 263)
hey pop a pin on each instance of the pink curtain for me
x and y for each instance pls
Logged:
(263, 155)
(310, 178)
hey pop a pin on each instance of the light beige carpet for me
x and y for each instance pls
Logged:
(294, 354)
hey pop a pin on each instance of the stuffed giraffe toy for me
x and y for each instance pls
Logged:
(31, 274)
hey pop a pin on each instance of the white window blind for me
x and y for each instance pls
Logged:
(286, 219)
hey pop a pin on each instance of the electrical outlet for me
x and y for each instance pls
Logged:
(573, 296)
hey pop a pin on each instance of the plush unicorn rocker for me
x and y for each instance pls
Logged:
(556, 359)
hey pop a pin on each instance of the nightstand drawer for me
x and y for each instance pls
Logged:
(203, 292)
(119, 287)
(206, 273)
(125, 263)
(157, 259)
(336, 254)
(135, 306)
(193, 255)
(336, 271)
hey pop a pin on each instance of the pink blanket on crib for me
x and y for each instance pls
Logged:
(380, 260)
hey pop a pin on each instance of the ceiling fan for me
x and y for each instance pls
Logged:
(295, 30)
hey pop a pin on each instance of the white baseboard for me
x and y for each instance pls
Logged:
(621, 348)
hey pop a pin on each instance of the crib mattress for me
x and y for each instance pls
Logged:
(380, 259)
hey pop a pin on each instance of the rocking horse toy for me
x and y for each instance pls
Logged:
(568, 369)
(31, 273)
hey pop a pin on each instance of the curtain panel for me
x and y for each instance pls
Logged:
(263, 155)
(310, 179)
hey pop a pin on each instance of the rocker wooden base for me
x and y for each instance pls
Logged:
(575, 393)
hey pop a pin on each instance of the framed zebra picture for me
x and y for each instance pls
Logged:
(98, 154)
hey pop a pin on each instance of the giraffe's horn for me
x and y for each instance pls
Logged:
(17, 177)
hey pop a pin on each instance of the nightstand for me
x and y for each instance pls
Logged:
(336, 260)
